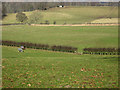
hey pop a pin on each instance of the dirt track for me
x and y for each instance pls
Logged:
(77, 25)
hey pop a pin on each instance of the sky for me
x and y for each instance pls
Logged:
(60, 0)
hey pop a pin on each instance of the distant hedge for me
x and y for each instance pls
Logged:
(40, 46)
(103, 51)
(63, 48)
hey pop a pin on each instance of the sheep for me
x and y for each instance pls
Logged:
(20, 50)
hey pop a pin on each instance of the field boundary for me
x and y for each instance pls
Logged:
(76, 25)
(92, 24)
(78, 53)
(12, 24)
(41, 46)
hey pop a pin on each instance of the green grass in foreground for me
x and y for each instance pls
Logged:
(77, 36)
(45, 69)
(70, 14)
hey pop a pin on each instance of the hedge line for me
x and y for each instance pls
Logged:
(63, 48)
(102, 51)
(40, 46)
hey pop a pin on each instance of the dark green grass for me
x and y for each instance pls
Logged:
(46, 69)
(77, 36)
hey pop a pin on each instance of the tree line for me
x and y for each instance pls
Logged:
(15, 7)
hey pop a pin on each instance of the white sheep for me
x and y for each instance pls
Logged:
(20, 50)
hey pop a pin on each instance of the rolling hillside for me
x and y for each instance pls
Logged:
(49, 69)
(80, 37)
(71, 15)
(42, 69)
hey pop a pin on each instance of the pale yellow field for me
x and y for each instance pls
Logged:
(106, 20)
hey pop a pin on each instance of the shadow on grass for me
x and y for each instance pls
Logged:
(111, 58)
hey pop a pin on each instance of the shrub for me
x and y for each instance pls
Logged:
(47, 22)
(54, 22)
(65, 23)
(21, 17)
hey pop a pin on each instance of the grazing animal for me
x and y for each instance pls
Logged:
(20, 50)
(22, 47)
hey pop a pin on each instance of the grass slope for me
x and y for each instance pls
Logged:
(81, 37)
(71, 14)
(106, 20)
(43, 69)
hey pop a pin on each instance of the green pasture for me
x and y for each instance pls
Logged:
(70, 15)
(46, 69)
(76, 36)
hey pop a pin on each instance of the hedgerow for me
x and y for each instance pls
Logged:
(103, 51)
(40, 46)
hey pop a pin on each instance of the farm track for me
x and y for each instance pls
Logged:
(78, 25)
(65, 25)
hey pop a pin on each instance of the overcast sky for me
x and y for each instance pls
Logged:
(60, 0)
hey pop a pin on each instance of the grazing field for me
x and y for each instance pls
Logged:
(46, 69)
(80, 37)
(71, 15)
(49, 69)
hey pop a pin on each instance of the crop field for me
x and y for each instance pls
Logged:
(45, 69)
(80, 37)
(106, 20)
(71, 15)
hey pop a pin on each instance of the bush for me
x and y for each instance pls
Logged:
(21, 17)
(54, 22)
(65, 23)
(47, 22)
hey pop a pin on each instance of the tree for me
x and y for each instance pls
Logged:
(54, 22)
(3, 10)
(35, 17)
(21, 17)
(46, 22)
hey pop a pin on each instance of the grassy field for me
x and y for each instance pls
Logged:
(45, 69)
(80, 37)
(71, 15)
(48, 69)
